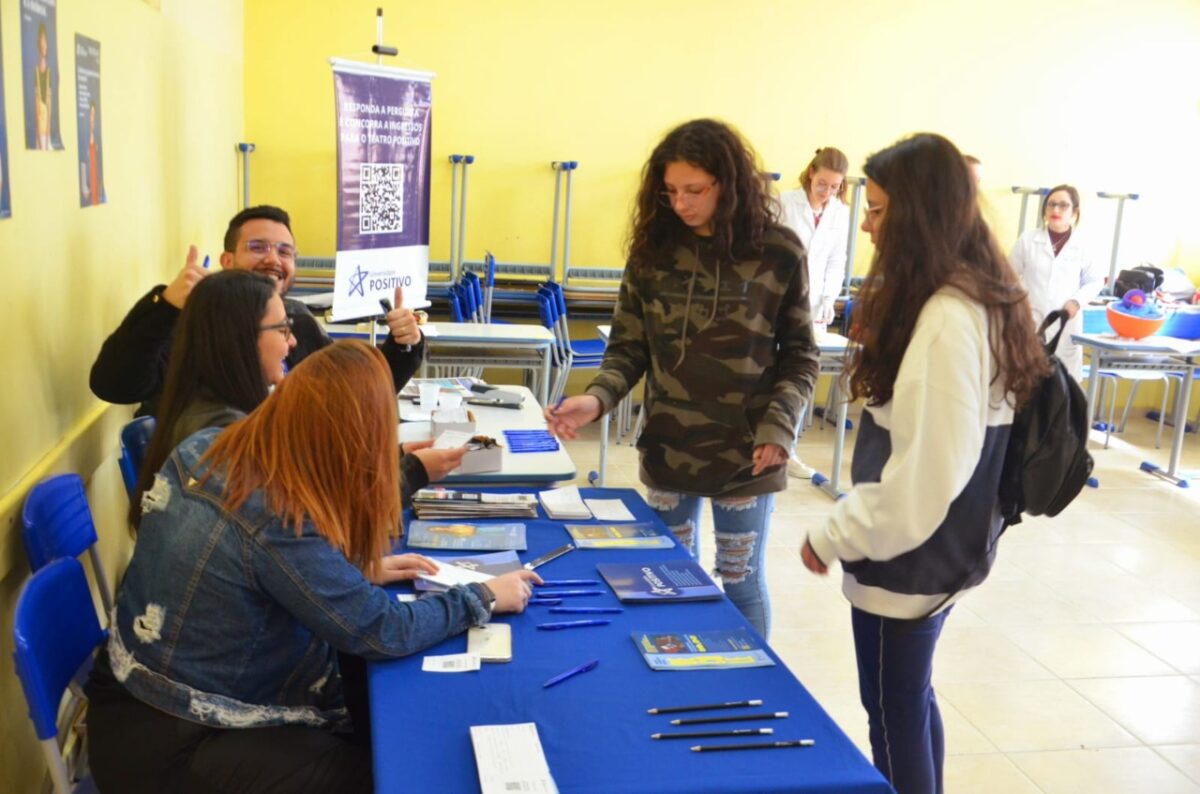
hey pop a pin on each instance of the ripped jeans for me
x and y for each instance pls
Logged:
(740, 525)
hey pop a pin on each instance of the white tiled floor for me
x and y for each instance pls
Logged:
(1074, 668)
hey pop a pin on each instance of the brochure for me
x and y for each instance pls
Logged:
(677, 580)
(490, 564)
(446, 503)
(619, 536)
(705, 650)
(463, 535)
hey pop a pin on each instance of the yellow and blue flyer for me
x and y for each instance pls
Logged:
(727, 649)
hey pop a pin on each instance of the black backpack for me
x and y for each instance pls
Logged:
(1046, 462)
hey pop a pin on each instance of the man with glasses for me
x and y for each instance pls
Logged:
(132, 363)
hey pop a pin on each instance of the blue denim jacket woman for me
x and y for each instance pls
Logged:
(256, 551)
(231, 620)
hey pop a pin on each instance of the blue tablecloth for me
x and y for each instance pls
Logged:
(594, 727)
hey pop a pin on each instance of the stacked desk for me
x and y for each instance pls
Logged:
(594, 727)
(1155, 353)
(452, 344)
(542, 468)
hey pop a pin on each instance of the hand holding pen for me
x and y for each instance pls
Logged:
(572, 413)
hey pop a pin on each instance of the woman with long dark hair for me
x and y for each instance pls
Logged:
(713, 310)
(253, 568)
(948, 350)
(228, 353)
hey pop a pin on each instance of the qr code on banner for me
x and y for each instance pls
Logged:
(381, 198)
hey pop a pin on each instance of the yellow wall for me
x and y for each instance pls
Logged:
(171, 93)
(1088, 91)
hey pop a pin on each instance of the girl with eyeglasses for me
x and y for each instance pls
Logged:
(818, 214)
(713, 311)
(1059, 270)
(253, 579)
(948, 350)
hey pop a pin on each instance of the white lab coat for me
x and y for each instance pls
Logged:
(825, 244)
(1051, 282)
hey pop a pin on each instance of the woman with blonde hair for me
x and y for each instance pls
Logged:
(818, 214)
(256, 561)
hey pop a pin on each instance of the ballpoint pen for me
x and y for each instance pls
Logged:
(574, 671)
(543, 602)
(733, 704)
(753, 746)
(711, 734)
(206, 261)
(569, 593)
(386, 305)
(567, 582)
(557, 610)
(547, 557)
(572, 624)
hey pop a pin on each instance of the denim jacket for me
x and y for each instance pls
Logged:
(233, 620)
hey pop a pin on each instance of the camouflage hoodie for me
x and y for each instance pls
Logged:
(729, 358)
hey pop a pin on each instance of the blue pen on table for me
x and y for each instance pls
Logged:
(574, 671)
(543, 602)
(567, 582)
(585, 610)
(572, 624)
(568, 593)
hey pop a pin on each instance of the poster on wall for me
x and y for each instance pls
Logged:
(383, 128)
(39, 70)
(5, 201)
(87, 113)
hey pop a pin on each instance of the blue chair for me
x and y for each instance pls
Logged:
(57, 522)
(135, 437)
(55, 633)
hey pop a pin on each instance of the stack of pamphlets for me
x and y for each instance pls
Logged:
(703, 650)
(445, 503)
(564, 504)
(462, 535)
(618, 536)
(459, 386)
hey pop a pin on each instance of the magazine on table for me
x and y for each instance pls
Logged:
(619, 536)
(464, 535)
(721, 649)
(654, 582)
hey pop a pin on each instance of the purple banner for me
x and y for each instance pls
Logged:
(383, 127)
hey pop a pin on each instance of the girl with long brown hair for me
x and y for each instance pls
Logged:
(948, 349)
(713, 310)
(254, 565)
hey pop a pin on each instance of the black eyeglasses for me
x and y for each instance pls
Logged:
(284, 328)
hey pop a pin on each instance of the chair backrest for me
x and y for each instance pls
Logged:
(474, 288)
(135, 438)
(56, 522)
(55, 631)
(456, 311)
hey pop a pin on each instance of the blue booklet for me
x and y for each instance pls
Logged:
(705, 650)
(494, 564)
(677, 580)
(619, 536)
(466, 536)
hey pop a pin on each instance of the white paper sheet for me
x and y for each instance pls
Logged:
(451, 663)
(450, 575)
(609, 510)
(510, 758)
(452, 439)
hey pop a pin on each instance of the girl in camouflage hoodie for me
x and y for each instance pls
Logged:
(713, 310)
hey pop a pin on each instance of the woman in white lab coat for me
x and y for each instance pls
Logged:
(818, 214)
(1058, 270)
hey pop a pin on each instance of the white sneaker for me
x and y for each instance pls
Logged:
(797, 469)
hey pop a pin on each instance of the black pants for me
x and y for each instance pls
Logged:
(136, 748)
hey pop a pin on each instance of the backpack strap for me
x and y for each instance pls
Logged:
(1059, 316)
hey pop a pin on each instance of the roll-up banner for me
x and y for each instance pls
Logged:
(384, 138)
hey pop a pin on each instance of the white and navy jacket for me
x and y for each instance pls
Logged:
(922, 517)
